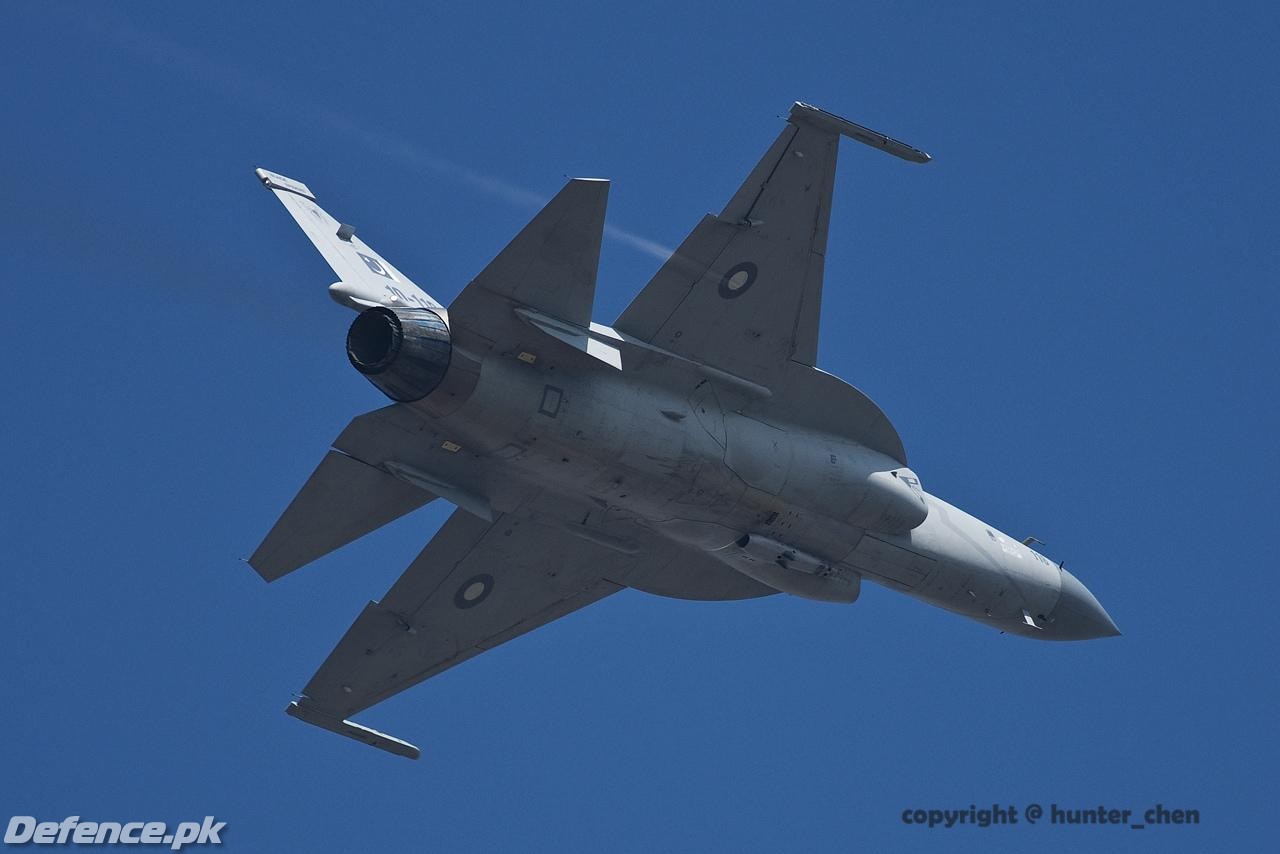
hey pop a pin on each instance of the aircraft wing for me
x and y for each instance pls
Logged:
(476, 585)
(743, 292)
(479, 584)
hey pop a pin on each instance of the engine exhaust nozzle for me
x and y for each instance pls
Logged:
(405, 352)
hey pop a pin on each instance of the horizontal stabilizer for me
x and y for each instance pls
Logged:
(304, 711)
(596, 341)
(549, 266)
(342, 501)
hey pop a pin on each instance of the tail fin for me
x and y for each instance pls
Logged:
(365, 278)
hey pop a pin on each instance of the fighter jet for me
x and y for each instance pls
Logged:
(691, 449)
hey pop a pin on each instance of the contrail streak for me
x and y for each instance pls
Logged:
(398, 148)
(163, 51)
(401, 150)
(638, 242)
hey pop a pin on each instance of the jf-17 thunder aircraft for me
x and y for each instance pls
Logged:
(692, 449)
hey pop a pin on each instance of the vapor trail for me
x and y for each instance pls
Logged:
(163, 51)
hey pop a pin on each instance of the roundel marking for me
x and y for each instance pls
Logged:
(738, 279)
(473, 591)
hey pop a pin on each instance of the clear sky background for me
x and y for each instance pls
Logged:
(1070, 315)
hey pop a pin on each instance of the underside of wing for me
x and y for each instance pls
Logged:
(479, 584)
(476, 585)
(744, 290)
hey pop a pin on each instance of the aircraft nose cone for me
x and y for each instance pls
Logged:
(1078, 614)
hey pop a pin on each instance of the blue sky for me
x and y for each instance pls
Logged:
(1070, 315)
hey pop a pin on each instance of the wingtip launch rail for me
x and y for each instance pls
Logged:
(303, 711)
(801, 111)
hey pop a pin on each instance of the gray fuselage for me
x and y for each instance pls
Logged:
(803, 510)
